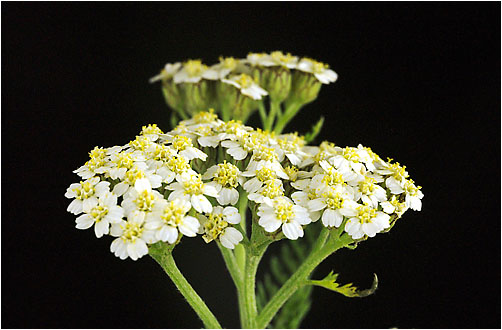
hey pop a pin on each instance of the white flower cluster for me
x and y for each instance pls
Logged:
(239, 72)
(159, 187)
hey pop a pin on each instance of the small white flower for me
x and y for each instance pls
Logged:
(142, 201)
(227, 178)
(85, 194)
(132, 239)
(370, 193)
(95, 165)
(173, 218)
(216, 226)
(130, 178)
(167, 72)
(414, 196)
(247, 86)
(183, 145)
(336, 203)
(283, 214)
(320, 70)
(190, 187)
(368, 221)
(101, 213)
(193, 71)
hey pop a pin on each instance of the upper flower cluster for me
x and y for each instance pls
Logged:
(233, 84)
(161, 186)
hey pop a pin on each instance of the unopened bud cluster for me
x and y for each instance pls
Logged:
(162, 186)
(236, 86)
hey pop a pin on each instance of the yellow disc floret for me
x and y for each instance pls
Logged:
(145, 201)
(181, 142)
(132, 231)
(283, 210)
(226, 175)
(151, 129)
(194, 185)
(98, 212)
(85, 190)
(214, 226)
(178, 164)
(333, 201)
(194, 67)
(97, 158)
(173, 214)
(366, 213)
(265, 174)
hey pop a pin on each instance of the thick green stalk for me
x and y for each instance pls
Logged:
(252, 262)
(165, 259)
(236, 274)
(297, 280)
(288, 114)
(263, 114)
(275, 107)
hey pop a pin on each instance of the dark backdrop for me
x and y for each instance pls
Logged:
(419, 82)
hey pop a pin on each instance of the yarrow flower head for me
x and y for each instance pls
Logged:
(160, 186)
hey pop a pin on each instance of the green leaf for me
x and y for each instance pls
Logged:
(316, 129)
(348, 290)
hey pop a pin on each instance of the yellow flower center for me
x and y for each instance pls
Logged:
(173, 215)
(333, 177)
(132, 231)
(205, 117)
(194, 67)
(272, 189)
(265, 174)
(133, 174)
(350, 154)
(194, 186)
(145, 201)
(97, 158)
(151, 129)
(283, 210)
(99, 212)
(228, 62)
(366, 213)
(292, 172)
(245, 81)
(85, 190)
(214, 226)
(140, 143)
(178, 164)
(367, 186)
(181, 142)
(333, 202)
(226, 175)
(123, 160)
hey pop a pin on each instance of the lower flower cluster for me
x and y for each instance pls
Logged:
(188, 182)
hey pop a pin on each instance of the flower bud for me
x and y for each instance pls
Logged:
(304, 88)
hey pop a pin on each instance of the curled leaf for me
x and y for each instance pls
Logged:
(348, 290)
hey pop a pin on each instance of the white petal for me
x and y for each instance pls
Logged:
(75, 207)
(292, 230)
(232, 215)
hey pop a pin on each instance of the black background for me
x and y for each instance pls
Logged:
(419, 82)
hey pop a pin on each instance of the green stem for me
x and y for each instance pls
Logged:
(289, 113)
(236, 274)
(165, 259)
(275, 107)
(251, 311)
(263, 114)
(297, 280)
